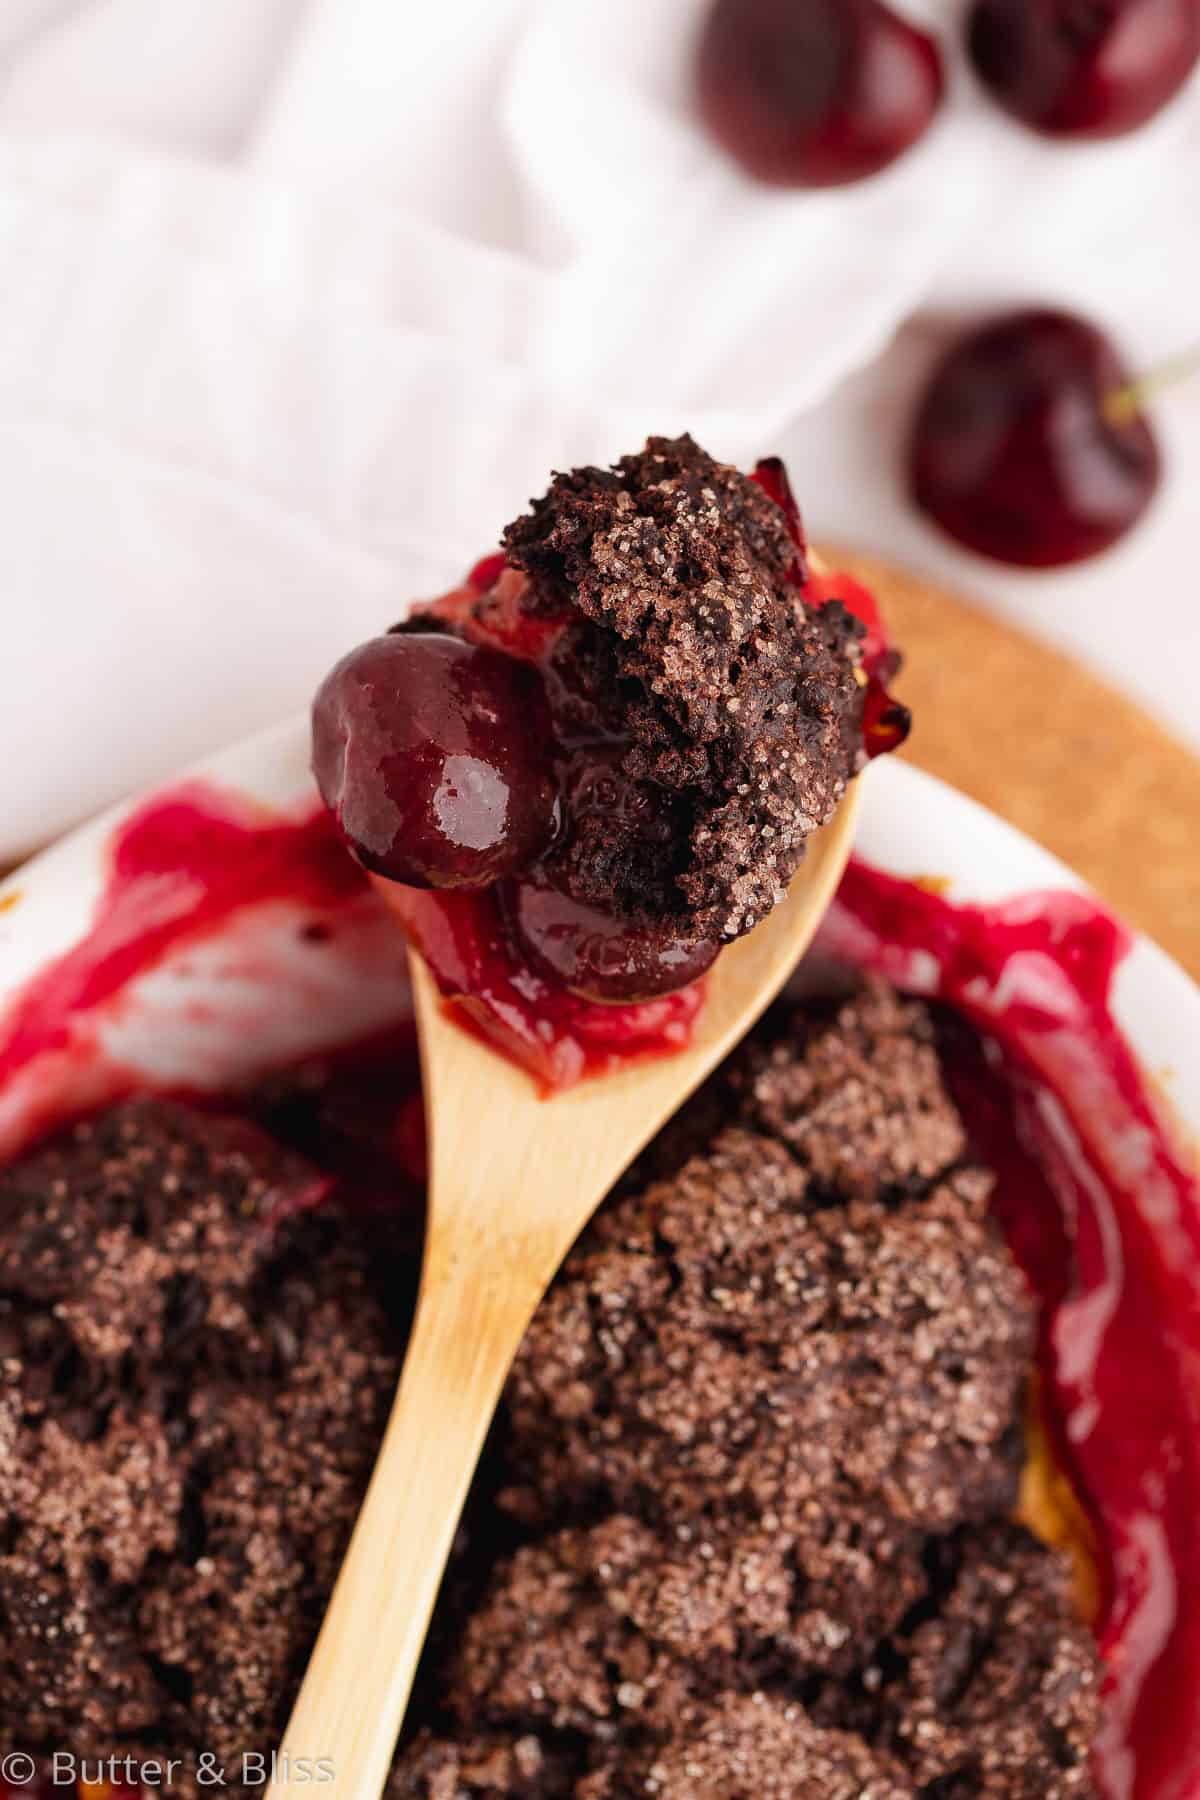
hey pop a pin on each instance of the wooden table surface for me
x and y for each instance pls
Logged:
(1034, 736)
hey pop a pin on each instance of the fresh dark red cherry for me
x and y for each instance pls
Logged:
(1017, 450)
(434, 757)
(595, 954)
(1084, 68)
(815, 93)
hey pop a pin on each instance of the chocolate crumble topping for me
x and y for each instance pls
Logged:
(742, 706)
(194, 1371)
(744, 1529)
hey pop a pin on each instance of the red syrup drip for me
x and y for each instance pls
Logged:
(1103, 1213)
(178, 870)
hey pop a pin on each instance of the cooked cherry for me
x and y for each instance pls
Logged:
(1084, 68)
(815, 93)
(772, 477)
(504, 617)
(1018, 450)
(595, 954)
(433, 756)
(487, 571)
(886, 722)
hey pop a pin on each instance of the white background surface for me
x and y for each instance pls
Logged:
(304, 297)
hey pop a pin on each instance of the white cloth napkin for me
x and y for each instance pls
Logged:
(302, 301)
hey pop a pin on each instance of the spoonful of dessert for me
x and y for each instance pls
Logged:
(606, 788)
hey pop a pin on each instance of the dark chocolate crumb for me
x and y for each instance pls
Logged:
(1000, 1693)
(743, 705)
(195, 1370)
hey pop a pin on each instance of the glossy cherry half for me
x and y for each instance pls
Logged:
(1084, 68)
(815, 93)
(1016, 450)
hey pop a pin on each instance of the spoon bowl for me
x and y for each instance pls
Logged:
(514, 1178)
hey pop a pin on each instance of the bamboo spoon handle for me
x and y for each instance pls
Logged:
(513, 1181)
(470, 1320)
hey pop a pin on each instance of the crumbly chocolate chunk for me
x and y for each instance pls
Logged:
(610, 1629)
(863, 1107)
(733, 1747)
(195, 1367)
(556, 1679)
(763, 1747)
(477, 1762)
(762, 1438)
(742, 706)
(807, 1391)
(1000, 1690)
(859, 1103)
(546, 1642)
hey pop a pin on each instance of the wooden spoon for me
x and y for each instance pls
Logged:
(513, 1180)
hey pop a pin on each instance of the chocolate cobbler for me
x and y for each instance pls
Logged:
(746, 1525)
(623, 729)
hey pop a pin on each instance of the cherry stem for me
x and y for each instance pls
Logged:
(1121, 405)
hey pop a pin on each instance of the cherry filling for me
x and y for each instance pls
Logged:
(595, 955)
(886, 722)
(482, 750)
